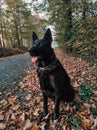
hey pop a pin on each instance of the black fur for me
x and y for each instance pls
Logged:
(55, 83)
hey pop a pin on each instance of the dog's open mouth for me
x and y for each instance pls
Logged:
(34, 59)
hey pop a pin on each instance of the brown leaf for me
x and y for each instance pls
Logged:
(54, 124)
(12, 98)
(46, 117)
(22, 116)
(1, 117)
(28, 125)
(87, 105)
(35, 127)
(64, 127)
(13, 117)
(94, 125)
(28, 97)
(84, 113)
(76, 85)
(4, 103)
(86, 123)
(15, 107)
(71, 109)
(2, 126)
(36, 113)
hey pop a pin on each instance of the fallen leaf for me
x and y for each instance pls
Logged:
(1, 117)
(46, 117)
(28, 125)
(36, 113)
(15, 107)
(1, 93)
(64, 127)
(35, 127)
(95, 93)
(4, 103)
(86, 123)
(94, 125)
(12, 98)
(84, 113)
(76, 85)
(56, 121)
(22, 116)
(28, 97)
(71, 109)
(7, 116)
(54, 124)
(13, 117)
(83, 73)
(87, 105)
(2, 126)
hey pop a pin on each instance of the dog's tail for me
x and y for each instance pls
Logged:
(69, 95)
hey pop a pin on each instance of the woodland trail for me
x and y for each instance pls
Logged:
(12, 69)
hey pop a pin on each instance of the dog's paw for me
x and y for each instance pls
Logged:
(55, 117)
(46, 117)
(55, 121)
(44, 114)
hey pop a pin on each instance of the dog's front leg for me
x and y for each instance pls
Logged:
(56, 110)
(45, 100)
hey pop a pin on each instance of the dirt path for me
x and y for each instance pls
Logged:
(12, 69)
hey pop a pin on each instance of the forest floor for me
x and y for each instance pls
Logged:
(21, 107)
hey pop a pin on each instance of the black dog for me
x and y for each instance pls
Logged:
(53, 78)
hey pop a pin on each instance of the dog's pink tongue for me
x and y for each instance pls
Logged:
(34, 59)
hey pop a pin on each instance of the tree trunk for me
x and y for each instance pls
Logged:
(84, 9)
(21, 38)
(2, 35)
(68, 18)
(17, 35)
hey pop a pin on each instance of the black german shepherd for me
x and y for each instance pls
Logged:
(53, 78)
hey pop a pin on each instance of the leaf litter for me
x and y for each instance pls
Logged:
(22, 107)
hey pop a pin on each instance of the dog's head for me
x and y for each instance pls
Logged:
(40, 46)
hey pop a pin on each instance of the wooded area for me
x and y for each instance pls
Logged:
(17, 24)
(75, 24)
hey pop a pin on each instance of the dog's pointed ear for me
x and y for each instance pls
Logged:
(48, 35)
(34, 36)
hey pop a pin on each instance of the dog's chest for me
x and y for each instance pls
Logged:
(48, 86)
